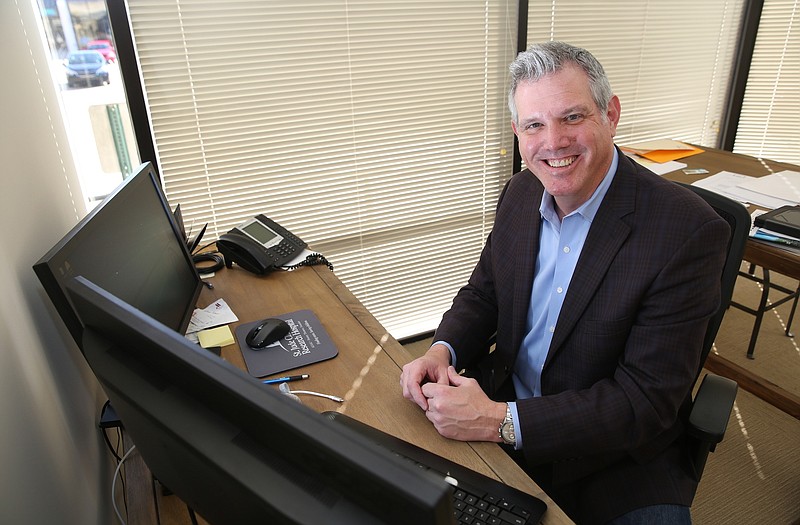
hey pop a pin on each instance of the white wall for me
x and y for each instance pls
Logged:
(54, 465)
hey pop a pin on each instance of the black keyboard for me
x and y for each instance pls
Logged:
(477, 499)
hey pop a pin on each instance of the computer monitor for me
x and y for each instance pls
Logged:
(131, 246)
(233, 449)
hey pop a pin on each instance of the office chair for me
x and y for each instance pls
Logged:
(713, 402)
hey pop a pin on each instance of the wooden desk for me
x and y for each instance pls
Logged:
(366, 373)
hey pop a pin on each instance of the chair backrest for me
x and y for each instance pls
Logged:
(739, 221)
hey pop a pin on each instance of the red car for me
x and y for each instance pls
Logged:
(103, 47)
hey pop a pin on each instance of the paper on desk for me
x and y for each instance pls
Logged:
(659, 168)
(215, 314)
(731, 184)
(661, 151)
(783, 187)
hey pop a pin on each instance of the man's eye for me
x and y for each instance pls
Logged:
(533, 125)
(574, 117)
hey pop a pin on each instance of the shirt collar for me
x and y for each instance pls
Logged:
(589, 208)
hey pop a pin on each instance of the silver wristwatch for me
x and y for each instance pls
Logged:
(506, 430)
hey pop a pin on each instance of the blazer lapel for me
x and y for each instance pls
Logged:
(525, 265)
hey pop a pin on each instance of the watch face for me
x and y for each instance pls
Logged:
(508, 434)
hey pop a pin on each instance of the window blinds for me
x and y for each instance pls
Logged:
(378, 130)
(375, 130)
(769, 124)
(669, 62)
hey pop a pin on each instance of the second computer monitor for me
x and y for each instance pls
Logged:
(131, 245)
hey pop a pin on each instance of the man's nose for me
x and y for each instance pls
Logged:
(557, 136)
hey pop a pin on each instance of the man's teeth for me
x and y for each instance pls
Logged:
(560, 163)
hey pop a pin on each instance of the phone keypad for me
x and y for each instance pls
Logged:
(284, 248)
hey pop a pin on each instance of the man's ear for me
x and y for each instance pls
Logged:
(613, 113)
(514, 127)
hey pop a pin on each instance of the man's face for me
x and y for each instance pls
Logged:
(564, 138)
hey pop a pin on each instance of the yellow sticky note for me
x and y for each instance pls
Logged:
(219, 336)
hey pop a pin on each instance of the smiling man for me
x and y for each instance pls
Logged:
(565, 137)
(598, 280)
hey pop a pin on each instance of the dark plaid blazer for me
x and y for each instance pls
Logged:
(606, 436)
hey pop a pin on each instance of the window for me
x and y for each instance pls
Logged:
(85, 68)
(378, 130)
(375, 130)
(770, 117)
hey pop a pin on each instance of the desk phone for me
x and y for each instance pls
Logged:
(259, 245)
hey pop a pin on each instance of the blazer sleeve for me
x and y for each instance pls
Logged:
(481, 308)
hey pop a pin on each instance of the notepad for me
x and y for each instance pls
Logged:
(220, 336)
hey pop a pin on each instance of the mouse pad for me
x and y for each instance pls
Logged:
(306, 343)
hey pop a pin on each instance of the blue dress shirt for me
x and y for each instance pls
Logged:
(560, 246)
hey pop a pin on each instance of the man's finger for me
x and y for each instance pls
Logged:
(453, 377)
(413, 392)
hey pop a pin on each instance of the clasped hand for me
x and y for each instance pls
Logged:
(456, 405)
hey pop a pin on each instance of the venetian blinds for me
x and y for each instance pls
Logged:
(375, 130)
(769, 124)
(669, 62)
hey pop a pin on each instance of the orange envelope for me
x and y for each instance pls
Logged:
(662, 150)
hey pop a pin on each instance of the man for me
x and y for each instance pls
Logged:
(598, 279)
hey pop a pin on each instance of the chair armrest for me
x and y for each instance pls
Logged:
(712, 408)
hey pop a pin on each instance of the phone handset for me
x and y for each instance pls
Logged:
(259, 245)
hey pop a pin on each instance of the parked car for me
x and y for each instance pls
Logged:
(86, 68)
(103, 47)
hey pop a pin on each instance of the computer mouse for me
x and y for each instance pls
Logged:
(267, 332)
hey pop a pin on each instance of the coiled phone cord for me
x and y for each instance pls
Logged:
(312, 260)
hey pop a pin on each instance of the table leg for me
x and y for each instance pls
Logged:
(791, 314)
(759, 314)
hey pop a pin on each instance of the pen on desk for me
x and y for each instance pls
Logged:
(285, 379)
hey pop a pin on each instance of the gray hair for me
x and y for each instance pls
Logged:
(547, 58)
